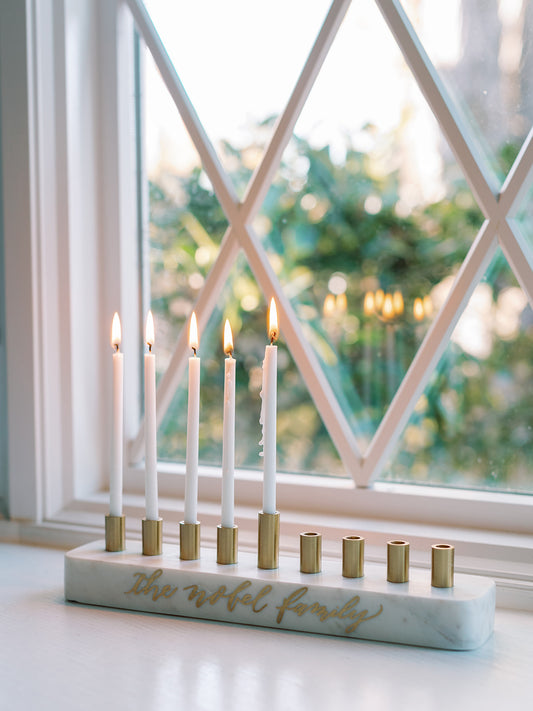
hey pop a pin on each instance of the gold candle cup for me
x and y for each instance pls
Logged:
(353, 556)
(189, 540)
(310, 552)
(152, 535)
(442, 565)
(227, 542)
(397, 561)
(115, 533)
(268, 541)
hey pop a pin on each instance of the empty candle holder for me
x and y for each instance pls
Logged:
(397, 561)
(310, 552)
(442, 565)
(152, 536)
(189, 540)
(227, 543)
(353, 556)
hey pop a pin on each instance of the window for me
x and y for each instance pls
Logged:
(75, 261)
(368, 205)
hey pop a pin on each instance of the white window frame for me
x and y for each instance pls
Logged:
(70, 261)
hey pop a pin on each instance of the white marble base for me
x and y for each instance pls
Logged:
(458, 618)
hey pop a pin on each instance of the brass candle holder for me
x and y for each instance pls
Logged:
(353, 556)
(442, 565)
(152, 535)
(189, 540)
(115, 533)
(268, 541)
(227, 544)
(310, 552)
(397, 561)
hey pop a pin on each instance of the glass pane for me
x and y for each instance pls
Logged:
(367, 203)
(473, 427)
(238, 62)
(186, 220)
(484, 54)
(303, 443)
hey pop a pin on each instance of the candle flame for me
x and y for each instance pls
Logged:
(150, 334)
(273, 328)
(418, 309)
(228, 339)
(388, 307)
(116, 332)
(369, 303)
(379, 299)
(193, 333)
(397, 301)
(329, 305)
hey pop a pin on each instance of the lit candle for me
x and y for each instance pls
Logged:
(228, 432)
(193, 426)
(115, 479)
(150, 427)
(268, 413)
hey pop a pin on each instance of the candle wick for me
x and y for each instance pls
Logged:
(149, 347)
(194, 351)
(116, 347)
(229, 353)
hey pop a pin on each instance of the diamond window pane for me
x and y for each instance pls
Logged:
(238, 62)
(472, 427)
(367, 202)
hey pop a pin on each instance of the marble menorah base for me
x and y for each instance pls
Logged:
(458, 618)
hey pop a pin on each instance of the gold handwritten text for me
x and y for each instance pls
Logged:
(349, 611)
(145, 586)
(234, 598)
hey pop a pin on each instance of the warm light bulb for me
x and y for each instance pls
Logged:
(116, 332)
(329, 305)
(388, 307)
(193, 333)
(369, 303)
(150, 335)
(428, 306)
(379, 299)
(273, 328)
(397, 302)
(228, 339)
(418, 309)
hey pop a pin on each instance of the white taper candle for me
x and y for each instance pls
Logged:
(269, 412)
(228, 433)
(193, 426)
(150, 426)
(115, 479)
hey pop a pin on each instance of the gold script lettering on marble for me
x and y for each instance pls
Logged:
(296, 602)
(293, 603)
(234, 598)
(150, 586)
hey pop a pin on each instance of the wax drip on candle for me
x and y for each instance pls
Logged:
(273, 334)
